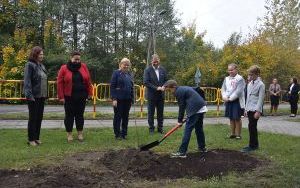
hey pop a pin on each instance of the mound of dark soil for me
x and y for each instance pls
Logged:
(123, 167)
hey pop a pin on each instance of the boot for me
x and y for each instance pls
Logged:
(80, 136)
(69, 136)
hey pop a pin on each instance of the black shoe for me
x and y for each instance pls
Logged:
(203, 150)
(123, 137)
(161, 131)
(248, 149)
(151, 131)
(232, 137)
(118, 138)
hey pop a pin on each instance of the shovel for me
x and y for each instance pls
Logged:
(157, 142)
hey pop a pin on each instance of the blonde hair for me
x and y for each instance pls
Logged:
(125, 60)
(233, 65)
(254, 69)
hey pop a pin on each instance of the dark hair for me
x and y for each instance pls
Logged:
(170, 84)
(75, 53)
(295, 81)
(35, 52)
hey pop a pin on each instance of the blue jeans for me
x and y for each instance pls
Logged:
(195, 121)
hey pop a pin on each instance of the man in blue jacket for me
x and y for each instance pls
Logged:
(194, 105)
(154, 78)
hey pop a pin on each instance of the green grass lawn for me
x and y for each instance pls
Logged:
(99, 115)
(283, 152)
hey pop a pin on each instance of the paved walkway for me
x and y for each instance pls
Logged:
(277, 124)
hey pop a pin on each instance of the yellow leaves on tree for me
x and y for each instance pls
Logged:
(13, 63)
(23, 3)
(52, 37)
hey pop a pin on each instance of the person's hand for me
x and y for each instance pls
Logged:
(179, 124)
(62, 100)
(289, 92)
(225, 99)
(245, 113)
(257, 115)
(163, 88)
(115, 103)
(159, 88)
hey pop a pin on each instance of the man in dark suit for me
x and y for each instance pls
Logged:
(195, 106)
(154, 78)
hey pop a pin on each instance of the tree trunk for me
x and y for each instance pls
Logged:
(75, 30)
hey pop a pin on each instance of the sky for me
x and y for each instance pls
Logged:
(220, 18)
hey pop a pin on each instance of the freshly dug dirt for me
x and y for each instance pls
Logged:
(123, 167)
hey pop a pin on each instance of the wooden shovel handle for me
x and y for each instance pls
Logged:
(172, 130)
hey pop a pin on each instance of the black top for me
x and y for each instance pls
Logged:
(78, 88)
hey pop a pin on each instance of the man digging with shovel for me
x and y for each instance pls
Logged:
(194, 105)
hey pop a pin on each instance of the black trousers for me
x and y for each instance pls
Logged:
(157, 103)
(36, 111)
(252, 127)
(74, 109)
(294, 105)
(121, 114)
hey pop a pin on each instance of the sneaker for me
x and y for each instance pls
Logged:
(231, 136)
(292, 115)
(32, 143)
(118, 138)
(38, 142)
(238, 137)
(203, 150)
(178, 155)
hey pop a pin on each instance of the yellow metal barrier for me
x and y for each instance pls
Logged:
(13, 90)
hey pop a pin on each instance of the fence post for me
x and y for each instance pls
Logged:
(218, 101)
(142, 97)
(94, 100)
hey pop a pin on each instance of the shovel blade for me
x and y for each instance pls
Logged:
(149, 146)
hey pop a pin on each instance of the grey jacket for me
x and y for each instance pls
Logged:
(32, 80)
(255, 96)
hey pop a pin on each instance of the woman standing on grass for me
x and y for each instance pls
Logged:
(35, 89)
(293, 91)
(274, 90)
(74, 87)
(121, 88)
(233, 95)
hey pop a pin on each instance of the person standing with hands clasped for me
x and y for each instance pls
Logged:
(74, 87)
(121, 87)
(36, 91)
(253, 108)
(233, 95)
(190, 101)
(274, 90)
(154, 78)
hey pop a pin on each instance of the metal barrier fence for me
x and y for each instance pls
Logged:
(13, 90)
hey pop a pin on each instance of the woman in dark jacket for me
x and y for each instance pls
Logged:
(293, 91)
(35, 89)
(121, 88)
(74, 87)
